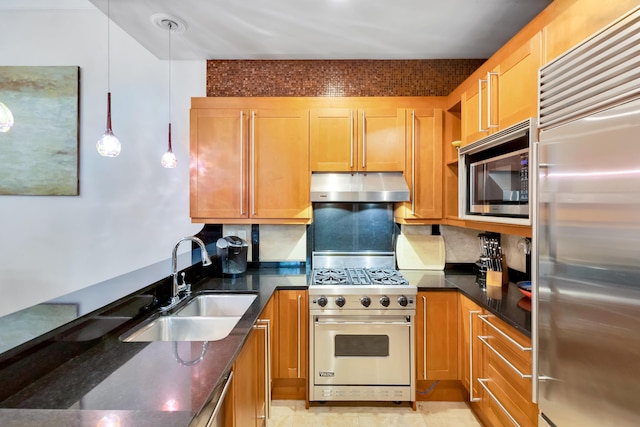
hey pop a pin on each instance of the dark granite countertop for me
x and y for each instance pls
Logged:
(137, 383)
(509, 305)
(85, 374)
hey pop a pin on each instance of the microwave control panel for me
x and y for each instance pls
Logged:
(524, 177)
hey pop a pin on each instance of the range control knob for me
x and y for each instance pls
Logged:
(322, 301)
(384, 300)
(340, 301)
(366, 301)
(402, 300)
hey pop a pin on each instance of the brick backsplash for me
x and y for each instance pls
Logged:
(429, 77)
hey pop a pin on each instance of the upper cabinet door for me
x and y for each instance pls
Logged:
(219, 152)
(381, 140)
(474, 113)
(364, 139)
(517, 88)
(332, 144)
(424, 165)
(279, 164)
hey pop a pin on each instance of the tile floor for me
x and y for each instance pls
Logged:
(291, 413)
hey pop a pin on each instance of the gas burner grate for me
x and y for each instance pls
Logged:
(330, 276)
(386, 276)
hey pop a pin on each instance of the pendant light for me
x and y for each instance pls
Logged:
(169, 159)
(108, 145)
(6, 118)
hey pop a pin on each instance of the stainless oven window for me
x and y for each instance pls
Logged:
(361, 346)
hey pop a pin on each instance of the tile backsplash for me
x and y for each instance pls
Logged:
(462, 245)
(427, 77)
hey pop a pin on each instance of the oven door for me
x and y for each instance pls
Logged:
(362, 350)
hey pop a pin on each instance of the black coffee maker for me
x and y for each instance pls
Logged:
(232, 251)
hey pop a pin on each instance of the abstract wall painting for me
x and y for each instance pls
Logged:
(39, 154)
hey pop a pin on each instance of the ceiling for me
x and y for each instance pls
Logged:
(312, 29)
(323, 29)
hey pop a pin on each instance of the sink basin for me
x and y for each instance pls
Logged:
(217, 305)
(173, 328)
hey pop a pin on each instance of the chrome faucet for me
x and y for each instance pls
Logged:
(175, 298)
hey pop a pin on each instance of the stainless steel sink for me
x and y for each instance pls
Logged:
(173, 328)
(217, 305)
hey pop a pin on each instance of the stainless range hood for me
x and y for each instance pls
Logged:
(359, 187)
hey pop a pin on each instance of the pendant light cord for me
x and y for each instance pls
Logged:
(170, 30)
(108, 45)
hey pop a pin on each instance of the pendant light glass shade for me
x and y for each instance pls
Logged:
(108, 145)
(6, 118)
(169, 159)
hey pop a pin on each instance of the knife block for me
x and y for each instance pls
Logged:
(499, 278)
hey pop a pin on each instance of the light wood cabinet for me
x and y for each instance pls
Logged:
(470, 349)
(436, 328)
(291, 345)
(572, 22)
(516, 84)
(251, 382)
(357, 139)
(505, 95)
(249, 165)
(219, 163)
(248, 369)
(506, 375)
(424, 132)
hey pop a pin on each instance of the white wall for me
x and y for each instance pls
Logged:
(130, 211)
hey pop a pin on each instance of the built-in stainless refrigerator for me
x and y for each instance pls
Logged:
(587, 234)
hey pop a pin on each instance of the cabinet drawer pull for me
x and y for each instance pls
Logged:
(253, 163)
(299, 334)
(489, 124)
(351, 133)
(480, 129)
(241, 163)
(364, 141)
(265, 324)
(472, 398)
(218, 406)
(424, 338)
(413, 163)
(511, 340)
(482, 382)
(504, 359)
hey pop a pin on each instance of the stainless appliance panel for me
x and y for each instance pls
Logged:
(366, 350)
(588, 285)
(359, 187)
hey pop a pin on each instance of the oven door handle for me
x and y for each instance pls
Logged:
(395, 321)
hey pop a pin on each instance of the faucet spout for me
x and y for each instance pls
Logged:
(206, 260)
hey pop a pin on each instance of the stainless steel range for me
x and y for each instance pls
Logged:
(361, 314)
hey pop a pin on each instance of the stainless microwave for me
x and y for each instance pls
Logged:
(494, 176)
